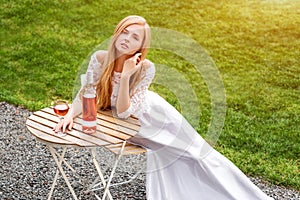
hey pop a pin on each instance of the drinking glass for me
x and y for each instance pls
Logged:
(61, 108)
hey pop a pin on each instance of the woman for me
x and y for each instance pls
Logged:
(180, 164)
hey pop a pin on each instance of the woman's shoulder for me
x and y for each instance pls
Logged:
(100, 55)
(149, 69)
(149, 66)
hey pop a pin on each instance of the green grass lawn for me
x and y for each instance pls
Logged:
(255, 45)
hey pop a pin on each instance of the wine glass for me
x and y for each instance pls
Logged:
(61, 108)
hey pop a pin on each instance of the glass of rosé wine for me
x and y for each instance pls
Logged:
(60, 108)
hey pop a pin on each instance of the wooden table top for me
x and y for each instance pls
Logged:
(111, 132)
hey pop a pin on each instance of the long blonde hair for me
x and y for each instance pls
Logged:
(104, 85)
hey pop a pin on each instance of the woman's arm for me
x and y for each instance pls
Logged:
(126, 104)
(129, 68)
(123, 100)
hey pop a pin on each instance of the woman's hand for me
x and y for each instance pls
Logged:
(131, 65)
(66, 122)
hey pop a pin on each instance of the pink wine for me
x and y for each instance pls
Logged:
(89, 114)
(61, 109)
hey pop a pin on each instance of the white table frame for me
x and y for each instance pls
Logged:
(59, 160)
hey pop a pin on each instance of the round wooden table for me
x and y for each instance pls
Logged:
(112, 133)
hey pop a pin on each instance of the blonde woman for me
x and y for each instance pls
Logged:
(180, 164)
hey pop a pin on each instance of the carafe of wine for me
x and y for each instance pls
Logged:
(89, 110)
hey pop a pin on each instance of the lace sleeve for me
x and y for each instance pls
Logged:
(96, 67)
(138, 103)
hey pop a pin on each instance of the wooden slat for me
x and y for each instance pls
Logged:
(45, 133)
(106, 126)
(43, 121)
(44, 136)
(102, 133)
(131, 120)
(46, 126)
(118, 121)
(38, 126)
(98, 135)
(48, 110)
(97, 138)
(110, 123)
(90, 138)
(117, 127)
(129, 149)
(110, 132)
(47, 115)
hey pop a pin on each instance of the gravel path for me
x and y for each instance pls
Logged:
(27, 168)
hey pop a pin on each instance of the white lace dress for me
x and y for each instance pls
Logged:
(180, 164)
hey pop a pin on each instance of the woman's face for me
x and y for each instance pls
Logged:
(130, 40)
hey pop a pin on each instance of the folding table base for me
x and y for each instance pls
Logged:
(59, 160)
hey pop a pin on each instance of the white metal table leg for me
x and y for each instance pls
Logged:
(52, 151)
(61, 157)
(106, 190)
(57, 173)
(99, 171)
(130, 180)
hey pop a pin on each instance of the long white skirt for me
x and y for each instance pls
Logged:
(181, 165)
